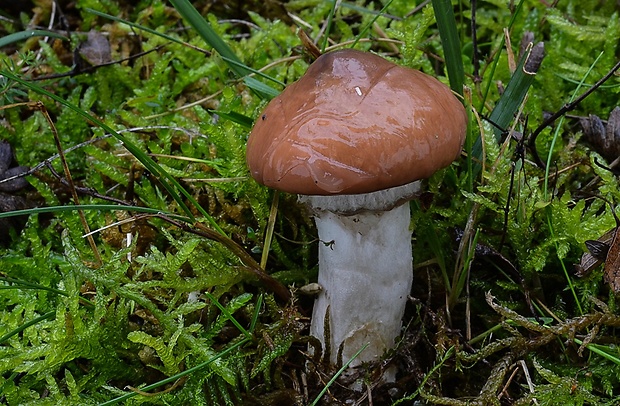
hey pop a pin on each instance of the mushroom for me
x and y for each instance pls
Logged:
(353, 137)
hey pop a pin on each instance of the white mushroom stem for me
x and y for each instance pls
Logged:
(366, 271)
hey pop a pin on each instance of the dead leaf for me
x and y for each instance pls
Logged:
(308, 45)
(96, 49)
(606, 249)
(611, 272)
(604, 137)
(596, 255)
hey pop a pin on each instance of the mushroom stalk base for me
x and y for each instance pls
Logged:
(366, 275)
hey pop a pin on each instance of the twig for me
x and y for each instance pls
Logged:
(78, 71)
(85, 190)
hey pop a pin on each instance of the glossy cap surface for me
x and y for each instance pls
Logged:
(355, 123)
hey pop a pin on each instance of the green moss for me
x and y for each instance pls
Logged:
(143, 313)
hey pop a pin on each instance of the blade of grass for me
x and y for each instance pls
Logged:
(490, 81)
(193, 17)
(271, 223)
(259, 304)
(103, 207)
(444, 15)
(601, 350)
(265, 91)
(352, 6)
(587, 85)
(228, 315)
(328, 29)
(235, 117)
(367, 27)
(460, 275)
(513, 96)
(22, 35)
(569, 280)
(138, 26)
(340, 371)
(256, 72)
(428, 376)
(20, 284)
(24, 326)
(469, 139)
(508, 104)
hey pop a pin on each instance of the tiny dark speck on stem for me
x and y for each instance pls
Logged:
(264, 116)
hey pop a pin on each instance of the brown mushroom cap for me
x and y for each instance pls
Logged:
(355, 123)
